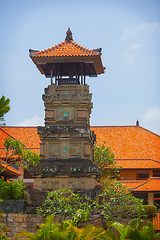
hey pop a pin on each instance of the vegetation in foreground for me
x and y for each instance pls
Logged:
(68, 231)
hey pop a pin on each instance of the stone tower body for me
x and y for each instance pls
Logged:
(67, 142)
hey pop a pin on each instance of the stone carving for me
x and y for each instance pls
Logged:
(50, 185)
(76, 185)
(75, 149)
(82, 114)
(49, 114)
(65, 114)
(54, 149)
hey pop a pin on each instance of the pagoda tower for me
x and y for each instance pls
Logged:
(67, 143)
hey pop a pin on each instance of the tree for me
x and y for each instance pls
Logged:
(15, 153)
(4, 108)
(104, 159)
(117, 202)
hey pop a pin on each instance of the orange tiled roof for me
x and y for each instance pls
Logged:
(11, 170)
(68, 51)
(129, 142)
(152, 184)
(131, 183)
(26, 135)
(133, 146)
(65, 48)
(138, 163)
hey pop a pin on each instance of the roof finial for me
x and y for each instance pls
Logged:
(137, 123)
(68, 35)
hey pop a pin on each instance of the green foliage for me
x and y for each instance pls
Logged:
(147, 232)
(150, 210)
(104, 159)
(67, 204)
(68, 231)
(17, 154)
(122, 229)
(3, 229)
(12, 190)
(65, 231)
(116, 202)
(47, 230)
(4, 108)
(3, 232)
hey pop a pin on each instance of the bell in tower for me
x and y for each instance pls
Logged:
(67, 141)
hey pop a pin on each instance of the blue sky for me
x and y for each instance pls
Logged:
(128, 33)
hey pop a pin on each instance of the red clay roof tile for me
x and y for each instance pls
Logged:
(11, 170)
(26, 135)
(133, 146)
(138, 163)
(131, 183)
(152, 184)
(65, 48)
(129, 142)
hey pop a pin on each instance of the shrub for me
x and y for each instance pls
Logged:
(150, 210)
(67, 204)
(12, 190)
(116, 202)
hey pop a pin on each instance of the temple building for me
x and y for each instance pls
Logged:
(66, 142)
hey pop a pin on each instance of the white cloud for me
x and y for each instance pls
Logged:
(142, 28)
(131, 52)
(151, 119)
(134, 39)
(35, 121)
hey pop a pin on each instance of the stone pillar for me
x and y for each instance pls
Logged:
(150, 198)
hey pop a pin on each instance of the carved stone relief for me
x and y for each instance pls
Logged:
(49, 113)
(75, 149)
(65, 114)
(54, 149)
(50, 185)
(76, 185)
(82, 114)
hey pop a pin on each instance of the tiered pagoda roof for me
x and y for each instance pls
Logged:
(68, 51)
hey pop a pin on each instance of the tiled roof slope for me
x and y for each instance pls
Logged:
(152, 184)
(26, 135)
(10, 170)
(138, 163)
(131, 183)
(129, 142)
(65, 48)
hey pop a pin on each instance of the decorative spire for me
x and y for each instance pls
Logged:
(68, 35)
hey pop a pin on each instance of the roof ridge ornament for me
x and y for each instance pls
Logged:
(137, 123)
(69, 35)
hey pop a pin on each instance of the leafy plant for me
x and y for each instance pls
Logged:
(150, 210)
(146, 232)
(4, 108)
(116, 202)
(12, 190)
(104, 159)
(15, 153)
(64, 231)
(67, 204)
(3, 230)
(122, 229)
